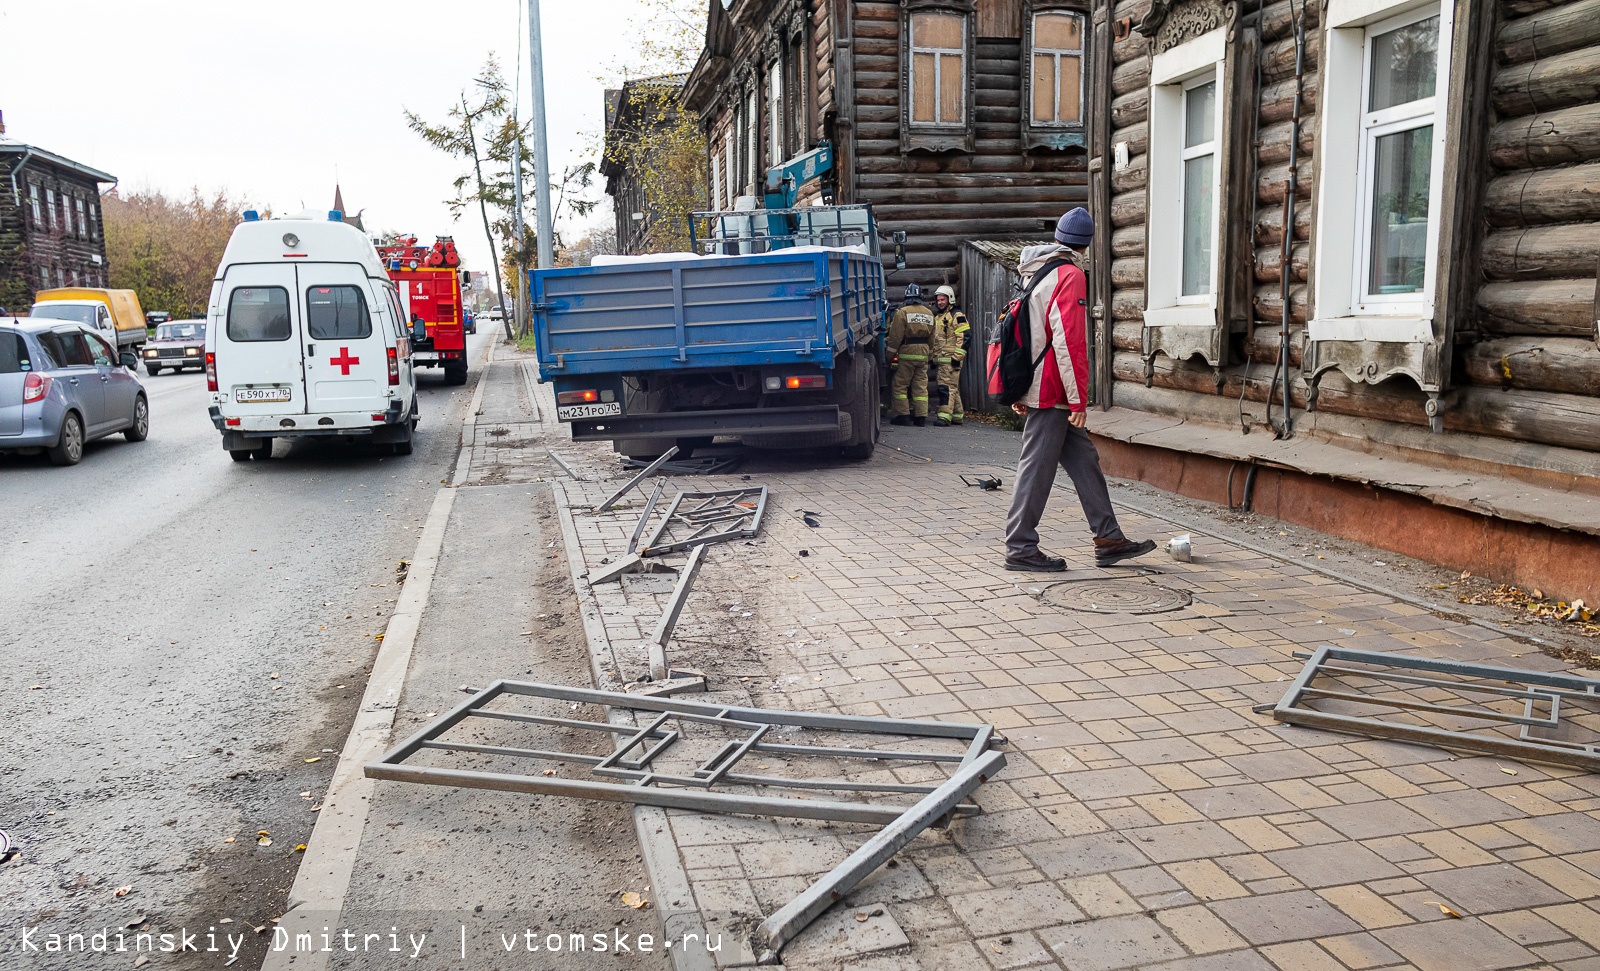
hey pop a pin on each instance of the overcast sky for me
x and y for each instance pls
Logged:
(269, 100)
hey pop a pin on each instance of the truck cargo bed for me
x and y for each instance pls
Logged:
(804, 305)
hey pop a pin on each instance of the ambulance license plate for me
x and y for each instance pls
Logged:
(598, 409)
(262, 394)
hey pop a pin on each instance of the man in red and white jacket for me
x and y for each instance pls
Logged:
(1055, 409)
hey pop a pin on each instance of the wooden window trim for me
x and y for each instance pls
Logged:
(1070, 136)
(934, 137)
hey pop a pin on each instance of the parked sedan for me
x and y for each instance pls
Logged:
(62, 386)
(177, 345)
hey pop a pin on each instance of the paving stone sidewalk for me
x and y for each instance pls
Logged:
(1147, 817)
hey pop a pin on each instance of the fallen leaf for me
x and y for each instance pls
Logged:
(1506, 770)
(526, 633)
(317, 759)
(378, 637)
(144, 959)
(861, 916)
(1445, 909)
(264, 841)
(263, 832)
(35, 687)
(300, 848)
(122, 891)
(1537, 594)
(634, 900)
(228, 840)
(317, 807)
(548, 772)
(134, 923)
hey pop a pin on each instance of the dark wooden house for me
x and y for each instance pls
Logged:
(955, 119)
(1402, 199)
(634, 114)
(50, 228)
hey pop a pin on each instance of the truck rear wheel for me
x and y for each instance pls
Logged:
(864, 407)
(455, 374)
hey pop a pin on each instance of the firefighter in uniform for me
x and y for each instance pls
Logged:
(949, 354)
(910, 346)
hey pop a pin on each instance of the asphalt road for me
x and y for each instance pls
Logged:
(183, 641)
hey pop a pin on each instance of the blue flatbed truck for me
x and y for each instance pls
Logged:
(771, 331)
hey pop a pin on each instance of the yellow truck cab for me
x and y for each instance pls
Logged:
(114, 314)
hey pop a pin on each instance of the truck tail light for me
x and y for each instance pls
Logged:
(394, 367)
(577, 397)
(798, 381)
(35, 386)
(211, 371)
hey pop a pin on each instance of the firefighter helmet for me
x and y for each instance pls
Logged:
(947, 291)
(913, 292)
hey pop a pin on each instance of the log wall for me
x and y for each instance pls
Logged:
(1526, 364)
(940, 199)
(1535, 361)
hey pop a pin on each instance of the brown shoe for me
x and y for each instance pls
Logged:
(1109, 552)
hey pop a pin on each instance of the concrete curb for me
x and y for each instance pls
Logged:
(669, 882)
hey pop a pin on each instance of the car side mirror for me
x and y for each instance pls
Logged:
(129, 361)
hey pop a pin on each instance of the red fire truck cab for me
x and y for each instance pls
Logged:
(429, 280)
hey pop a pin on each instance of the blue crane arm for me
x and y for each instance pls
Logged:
(785, 181)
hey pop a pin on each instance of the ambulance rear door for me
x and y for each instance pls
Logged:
(346, 349)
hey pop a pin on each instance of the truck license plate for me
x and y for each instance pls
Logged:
(599, 409)
(262, 394)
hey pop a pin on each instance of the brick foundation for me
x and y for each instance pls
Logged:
(1563, 564)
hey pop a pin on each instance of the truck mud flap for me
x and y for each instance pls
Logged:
(686, 424)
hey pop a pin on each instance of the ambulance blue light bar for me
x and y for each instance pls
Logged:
(335, 216)
(250, 215)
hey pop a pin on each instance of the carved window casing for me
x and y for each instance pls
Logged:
(1055, 76)
(1387, 162)
(1199, 263)
(936, 75)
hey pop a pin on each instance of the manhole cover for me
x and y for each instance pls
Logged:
(1115, 597)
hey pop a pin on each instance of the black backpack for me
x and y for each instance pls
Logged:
(1011, 359)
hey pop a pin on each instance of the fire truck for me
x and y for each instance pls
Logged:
(429, 280)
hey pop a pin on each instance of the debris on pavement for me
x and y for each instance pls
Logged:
(1478, 708)
(988, 483)
(611, 500)
(1181, 548)
(688, 756)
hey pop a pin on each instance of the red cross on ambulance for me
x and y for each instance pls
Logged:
(344, 361)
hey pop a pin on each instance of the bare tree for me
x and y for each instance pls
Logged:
(167, 249)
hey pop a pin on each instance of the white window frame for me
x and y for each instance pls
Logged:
(1173, 73)
(33, 197)
(1343, 310)
(730, 154)
(775, 140)
(752, 131)
(940, 54)
(1057, 54)
(716, 180)
(50, 207)
(1187, 154)
(83, 220)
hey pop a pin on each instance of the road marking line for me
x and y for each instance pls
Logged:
(317, 897)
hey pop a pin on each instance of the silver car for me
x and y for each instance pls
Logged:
(62, 386)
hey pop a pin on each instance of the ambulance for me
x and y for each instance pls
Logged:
(306, 338)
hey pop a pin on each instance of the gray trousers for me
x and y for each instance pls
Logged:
(1048, 438)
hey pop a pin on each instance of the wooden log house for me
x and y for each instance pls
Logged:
(1402, 197)
(938, 117)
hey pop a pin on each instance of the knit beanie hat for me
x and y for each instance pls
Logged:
(1076, 228)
